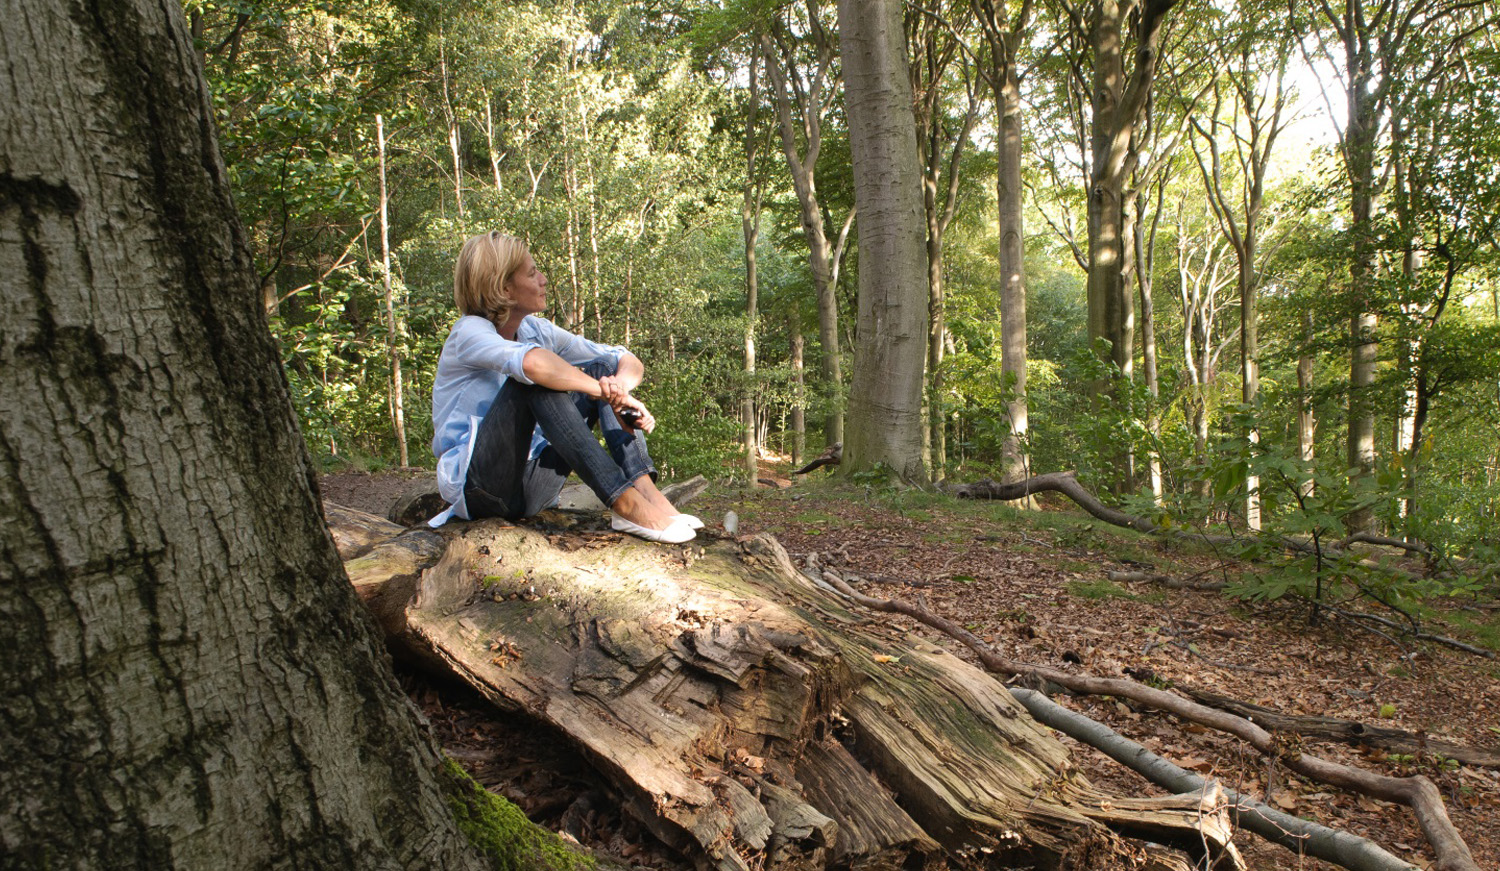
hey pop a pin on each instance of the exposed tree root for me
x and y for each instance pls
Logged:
(1416, 792)
(1296, 834)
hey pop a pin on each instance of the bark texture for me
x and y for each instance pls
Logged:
(188, 679)
(885, 403)
(754, 718)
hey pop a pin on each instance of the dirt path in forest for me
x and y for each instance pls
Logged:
(1034, 584)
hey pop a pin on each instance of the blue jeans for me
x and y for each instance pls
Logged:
(504, 480)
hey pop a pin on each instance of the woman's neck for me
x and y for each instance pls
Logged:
(512, 324)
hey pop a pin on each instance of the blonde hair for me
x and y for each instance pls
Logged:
(485, 264)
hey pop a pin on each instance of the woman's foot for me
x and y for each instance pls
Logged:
(636, 513)
(648, 489)
(675, 533)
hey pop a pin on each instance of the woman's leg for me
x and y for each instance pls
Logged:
(504, 480)
(495, 486)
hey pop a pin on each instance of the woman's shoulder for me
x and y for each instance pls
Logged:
(535, 329)
(473, 323)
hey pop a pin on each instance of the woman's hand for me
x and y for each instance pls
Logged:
(614, 390)
(646, 423)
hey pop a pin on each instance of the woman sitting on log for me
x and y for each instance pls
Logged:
(516, 399)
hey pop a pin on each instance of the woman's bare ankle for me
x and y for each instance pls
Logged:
(649, 490)
(637, 507)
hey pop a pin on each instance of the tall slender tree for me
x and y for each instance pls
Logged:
(945, 119)
(1233, 147)
(750, 229)
(802, 98)
(1005, 32)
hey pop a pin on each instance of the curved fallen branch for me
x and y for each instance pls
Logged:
(1417, 633)
(1416, 792)
(1065, 483)
(1294, 833)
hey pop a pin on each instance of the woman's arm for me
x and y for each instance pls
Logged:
(554, 373)
(628, 376)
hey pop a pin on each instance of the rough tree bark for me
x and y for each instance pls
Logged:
(751, 716)
(188, 681)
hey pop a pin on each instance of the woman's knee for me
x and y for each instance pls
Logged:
(599, 367)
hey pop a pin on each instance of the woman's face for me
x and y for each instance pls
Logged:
(528, 288)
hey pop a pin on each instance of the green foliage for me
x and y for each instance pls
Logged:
(694, 435)
(611, 137)
(502, 833)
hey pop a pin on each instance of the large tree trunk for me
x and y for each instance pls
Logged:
(188, 680)
(1118, 98)
(885, 402)
(750, 716)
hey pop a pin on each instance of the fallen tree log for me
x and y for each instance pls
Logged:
(752, 719)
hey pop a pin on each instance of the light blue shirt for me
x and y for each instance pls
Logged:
(475, 362)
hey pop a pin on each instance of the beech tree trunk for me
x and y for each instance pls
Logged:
(750, 716)
(885, 402)
(1006, 35)
(188, 681)
(750, 228)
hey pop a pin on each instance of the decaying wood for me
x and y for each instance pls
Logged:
(1301, 836)
(1348, 731)
(683, 492)
(355, 532)
(752, 718)
(1416, 792)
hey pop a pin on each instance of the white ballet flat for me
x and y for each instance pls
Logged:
(690, 520)
(675, 533)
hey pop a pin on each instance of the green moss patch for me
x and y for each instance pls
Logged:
(502, 832)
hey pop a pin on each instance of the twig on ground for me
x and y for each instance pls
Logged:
(1355, 616)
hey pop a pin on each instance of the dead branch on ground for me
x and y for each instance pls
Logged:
(1347, 731)
(1296, 834)
(1416, 792)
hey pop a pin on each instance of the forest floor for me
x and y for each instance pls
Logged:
(1034, 585)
